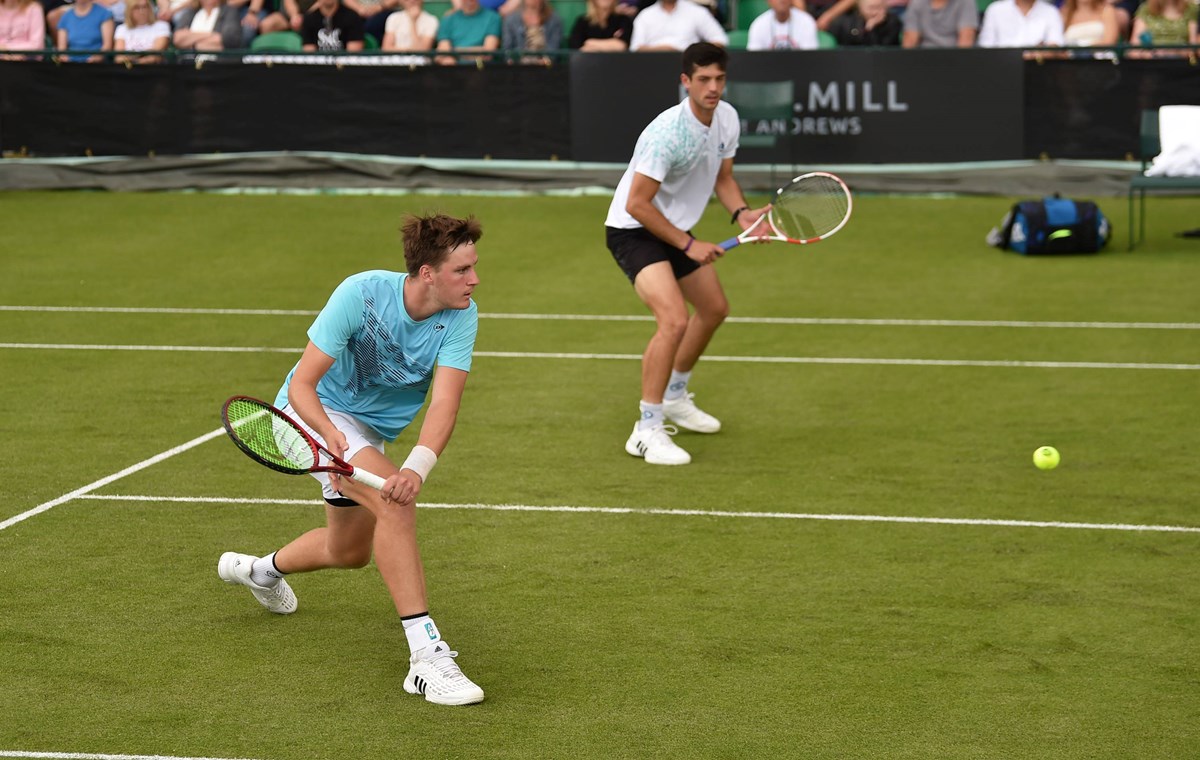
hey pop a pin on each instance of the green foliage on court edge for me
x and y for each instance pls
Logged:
(613, 634)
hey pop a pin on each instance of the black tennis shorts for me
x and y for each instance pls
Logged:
(638, 248)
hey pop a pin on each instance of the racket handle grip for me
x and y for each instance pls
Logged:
(730, 243)
(368, 478)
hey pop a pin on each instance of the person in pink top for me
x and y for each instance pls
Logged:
(22, 28)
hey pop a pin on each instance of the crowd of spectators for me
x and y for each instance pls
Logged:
(136, 31)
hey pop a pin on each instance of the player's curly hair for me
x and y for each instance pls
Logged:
(430, 239)
(702, 54)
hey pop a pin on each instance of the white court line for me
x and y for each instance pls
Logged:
(647, 318)
(691, 513)
(78, 492)
(638, 357)
(98, 756)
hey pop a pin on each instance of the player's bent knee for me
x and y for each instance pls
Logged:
(396, 516)
(672, 326)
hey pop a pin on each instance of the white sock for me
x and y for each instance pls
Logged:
(264, 572)
(421, 632)
(652, 415)
(677, 385)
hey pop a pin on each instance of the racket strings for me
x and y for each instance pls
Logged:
(815, 206)
(274, 440)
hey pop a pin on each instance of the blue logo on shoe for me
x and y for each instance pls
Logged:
(429, 629)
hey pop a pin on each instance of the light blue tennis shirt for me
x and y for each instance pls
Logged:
(383, 359)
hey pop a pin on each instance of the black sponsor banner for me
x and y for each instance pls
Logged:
(1092, 108)
(843, 106)
(870, 106)
(516, 112)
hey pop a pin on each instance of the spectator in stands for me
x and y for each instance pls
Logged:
(142, 32)
(295, 11)
(116, 8)
(375, 13)
(22, 27)
(871, 24)
(267, 17)
(674, 25)
(86, 26)
(1021, 24)
(238, 21)
(172, 11)
(1165, 22)
(826, 14)
(473, 29)
(601, 29)
(411, 28)
(503, 7)
(1089, 23)
(783, 27)
(628, 8)
(211, 28)
(941, 24)
(534, 27)
(331, 27)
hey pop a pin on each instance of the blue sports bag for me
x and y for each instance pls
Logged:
(1052, 225)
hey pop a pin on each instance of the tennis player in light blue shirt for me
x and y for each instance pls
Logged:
(383, 358)
(384, 342)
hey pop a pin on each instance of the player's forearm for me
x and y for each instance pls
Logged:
(303, 398)
(438, 426)
(653, 220)
(729, 193)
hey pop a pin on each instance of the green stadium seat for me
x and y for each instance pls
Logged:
(748, 10)
(738, 38)
(825, 40)
(285, 42)
(369, 42)
(569, 11)
(763, 101)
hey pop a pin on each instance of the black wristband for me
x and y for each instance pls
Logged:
(738, 213)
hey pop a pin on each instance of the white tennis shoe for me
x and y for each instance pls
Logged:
(434, 673)
(655, 445)
(684, 413)
(235, 568)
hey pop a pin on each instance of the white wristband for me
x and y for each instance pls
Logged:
(420, 460)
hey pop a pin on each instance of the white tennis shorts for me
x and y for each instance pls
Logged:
(358, 437)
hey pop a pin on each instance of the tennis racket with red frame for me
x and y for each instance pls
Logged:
(810, 208)
(271, 438)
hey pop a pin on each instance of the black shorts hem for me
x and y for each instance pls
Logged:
(637, 248)
(342, 501)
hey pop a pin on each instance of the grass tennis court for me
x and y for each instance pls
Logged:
(864, 563)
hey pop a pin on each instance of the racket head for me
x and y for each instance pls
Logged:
(811, 207)
(270, 437)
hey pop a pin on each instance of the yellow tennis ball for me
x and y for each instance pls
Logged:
(1046, 458)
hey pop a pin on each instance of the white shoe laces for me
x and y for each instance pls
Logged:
(661, 435)
(684, 400)
(446, 667)
(276, 592)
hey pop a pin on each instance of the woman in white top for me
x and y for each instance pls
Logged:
(411, 28)
(204, 31)
(141, 32)
(1089, 23)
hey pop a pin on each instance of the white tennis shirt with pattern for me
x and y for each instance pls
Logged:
(683, 155)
